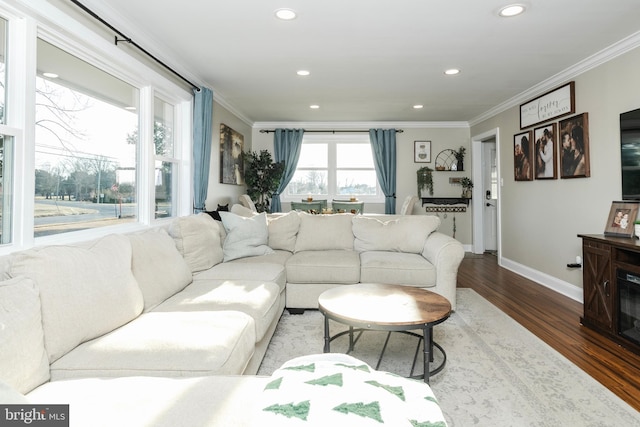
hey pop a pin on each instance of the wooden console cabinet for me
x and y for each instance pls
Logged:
(602, 256)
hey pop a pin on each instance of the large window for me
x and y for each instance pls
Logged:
(86, 145)
(335, 167)
(166, 162)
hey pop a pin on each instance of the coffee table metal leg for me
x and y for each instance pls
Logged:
(327, 338)
(427, 351)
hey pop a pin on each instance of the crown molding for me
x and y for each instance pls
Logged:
(617, 49)
(359, 125)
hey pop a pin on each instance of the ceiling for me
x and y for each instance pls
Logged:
(370, 60)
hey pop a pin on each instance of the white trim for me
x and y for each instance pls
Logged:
(359, 125)
(565, 288)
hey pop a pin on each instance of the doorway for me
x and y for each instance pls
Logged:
(486, 201)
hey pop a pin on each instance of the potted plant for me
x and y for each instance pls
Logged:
(459, 155)
(262, 176)
(425, 180)
(467, 185)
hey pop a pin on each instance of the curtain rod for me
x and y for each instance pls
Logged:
(131, 42)
(328, 131)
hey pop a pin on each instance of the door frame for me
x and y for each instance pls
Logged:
(477, 202)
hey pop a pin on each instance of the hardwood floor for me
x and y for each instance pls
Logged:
(555, 319)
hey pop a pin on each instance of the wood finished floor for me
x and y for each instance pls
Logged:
(555, 319)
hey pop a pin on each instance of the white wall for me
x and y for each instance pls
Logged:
(542, 218)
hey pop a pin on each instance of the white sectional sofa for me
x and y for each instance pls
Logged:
(167, 324)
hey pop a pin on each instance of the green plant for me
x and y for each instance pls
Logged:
(460, 154)
(262, 176)
(425, 179)
(466, 183)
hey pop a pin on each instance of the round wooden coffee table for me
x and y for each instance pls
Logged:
(393, 308)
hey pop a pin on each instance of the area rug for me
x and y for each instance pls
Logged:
(497, 373)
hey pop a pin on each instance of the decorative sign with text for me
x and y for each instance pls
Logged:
(556, 103)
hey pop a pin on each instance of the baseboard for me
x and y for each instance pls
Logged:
(565, 288)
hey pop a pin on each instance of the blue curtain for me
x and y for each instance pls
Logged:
(383, 146)
(286, 144)
(202, 120)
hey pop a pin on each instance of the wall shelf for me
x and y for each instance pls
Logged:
(445, 204)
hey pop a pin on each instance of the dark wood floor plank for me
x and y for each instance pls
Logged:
(555, 319)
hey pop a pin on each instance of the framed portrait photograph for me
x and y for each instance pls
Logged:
(231, 164)
(422, 151)
(546, 152)
(523, 162)
(574, 147)
(621, 218)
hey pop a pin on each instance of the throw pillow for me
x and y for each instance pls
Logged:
(283, 230)
(158, 266)
(403, 234)
(23, 360)
(197, 238)
(84, 292)
(245, 236)
(242, 211)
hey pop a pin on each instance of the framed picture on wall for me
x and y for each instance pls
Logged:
(546, 152)
(523, 156)
(574, 147)
(422, 151)
(231, 164)
(621, 218)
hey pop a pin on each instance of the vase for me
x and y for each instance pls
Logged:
(460, 165)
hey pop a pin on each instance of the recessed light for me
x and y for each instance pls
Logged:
(418, 106)
(130, 108)
(303, 72)
(285, 14)
(50, 75)
(452, 71)
(314, 106)
(511, 10)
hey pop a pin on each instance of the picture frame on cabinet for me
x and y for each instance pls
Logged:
(546, 151)
(622, 216)
(421, 151)
(523, 163)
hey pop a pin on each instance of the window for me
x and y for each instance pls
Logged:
(165, 160)
(6, 187)
(335, 167)
(86, 145)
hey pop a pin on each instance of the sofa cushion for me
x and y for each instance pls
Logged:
(404, 234)
(84, 292)
(23, 359)
(324, 232)
(283, 230)
(244, 269)
(245, 236)
(157, 265)
(197, 238)
(165, 344)
(330, 266)
(396, 268)
(258, 299)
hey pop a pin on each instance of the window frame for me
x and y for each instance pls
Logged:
(55, 27)
(332, 142)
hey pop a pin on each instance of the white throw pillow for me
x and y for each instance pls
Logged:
(283, 230)
(324, 232)
(404, 234)
(23, 360)
(158, 266)
(242, 211)
(197, 238)
(84, 292)
(245, 236)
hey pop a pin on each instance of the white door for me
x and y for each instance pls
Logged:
(490, 196)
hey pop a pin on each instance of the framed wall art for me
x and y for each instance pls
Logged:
(523, 156)
(553, 104)
(574, 147)
(422, 151)
(546, 152)
(231, 164)
(621, 218)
